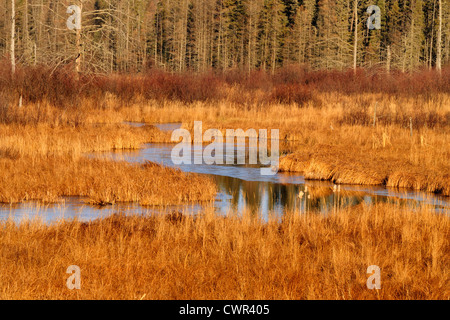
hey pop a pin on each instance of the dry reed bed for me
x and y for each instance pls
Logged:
(328, 108)
(43, 139)
(87, 112)
(306, 256)
(100, 181)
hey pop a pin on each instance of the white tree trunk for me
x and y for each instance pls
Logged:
(13, 37)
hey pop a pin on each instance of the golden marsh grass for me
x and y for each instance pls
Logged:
(305, 256)
(100, 181)
(326, 135)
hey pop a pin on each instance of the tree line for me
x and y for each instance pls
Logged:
(199, 35)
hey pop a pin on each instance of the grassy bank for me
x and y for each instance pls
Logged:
(99, 181)
(306, 256)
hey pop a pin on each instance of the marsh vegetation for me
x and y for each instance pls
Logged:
(388, 130)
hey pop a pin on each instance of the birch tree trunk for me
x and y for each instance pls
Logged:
(13, 37)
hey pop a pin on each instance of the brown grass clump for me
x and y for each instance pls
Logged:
(335, 165)
(420, 178)
(306, 256)
(344, 167)
(100, 181)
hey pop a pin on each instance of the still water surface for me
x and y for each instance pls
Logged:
(241, 188)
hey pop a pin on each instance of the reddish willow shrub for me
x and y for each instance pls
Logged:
(61, 87)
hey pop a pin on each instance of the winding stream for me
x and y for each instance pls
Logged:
(241, 188)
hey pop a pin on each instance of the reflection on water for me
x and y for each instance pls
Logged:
(161, 153)
(266, 197)
(74, 208)
(241, 188)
